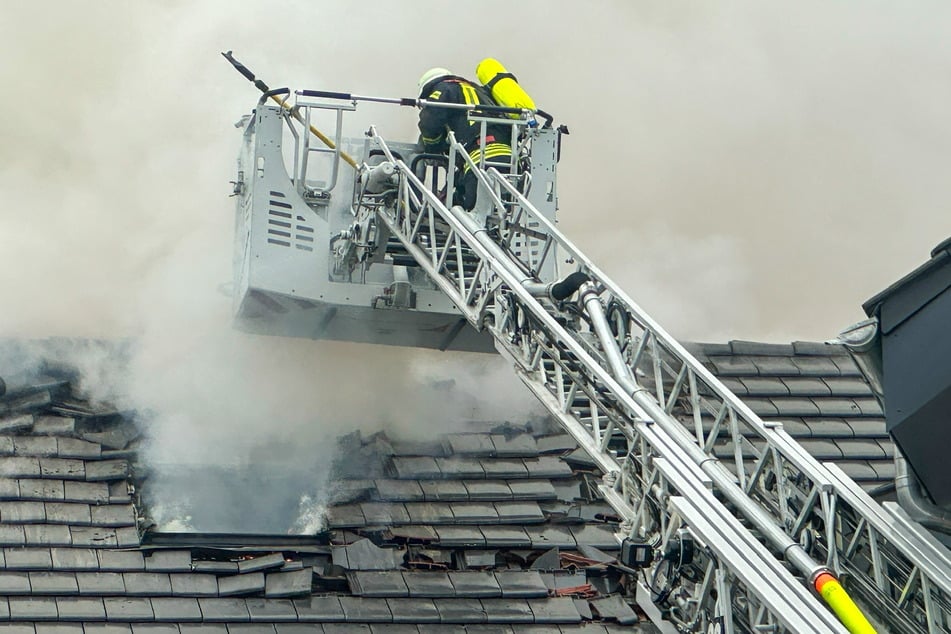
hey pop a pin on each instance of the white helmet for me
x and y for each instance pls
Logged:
(430, 76)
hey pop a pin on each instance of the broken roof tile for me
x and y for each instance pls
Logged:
(554, 610)
(547, 467)
(365, 555)
(254, 564)
(600, 536)
(460, 537)
(236, 585)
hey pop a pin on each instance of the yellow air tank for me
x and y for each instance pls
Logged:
(503, 85)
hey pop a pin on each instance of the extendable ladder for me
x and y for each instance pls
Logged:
(768, 522)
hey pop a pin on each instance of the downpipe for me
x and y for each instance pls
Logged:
(912, 499)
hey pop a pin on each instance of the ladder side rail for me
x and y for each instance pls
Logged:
(789, 460)
(513, 280)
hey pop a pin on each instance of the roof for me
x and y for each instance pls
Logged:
(497, 529)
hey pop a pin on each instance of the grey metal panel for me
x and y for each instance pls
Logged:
(378, 584)
(399, 491)
(33, 608)
(93, 536)
(319, 608)
(80, 609)
(39, 489)
(428, 584)
(522, 584)
(43, 582)
(488, 490)
(22, 512)
(193, 585)
(518, 445)
(533, 489)
(415, 468)
(218, 610)
(271, 610)
(507, 611)
(241, 584)
(288, 584)
(63, 468)
(413, 611)
(360, 610)
(100, 583)
(47, 535)
(113, 515)
(28, 558)
(93, 492)
(459, 611)
(384, 514)
(14, 583)
(128, 609)
(444, 490)
(176, 610)
(105, 470)
(473, 584)
(146, 584)
(68, 513)
(120, 560)
(34, 446)
(265, 562)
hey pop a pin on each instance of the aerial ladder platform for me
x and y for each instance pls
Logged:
(769, 540)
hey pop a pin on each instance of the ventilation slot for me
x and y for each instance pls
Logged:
(282, 229)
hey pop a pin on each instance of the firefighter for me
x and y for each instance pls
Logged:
(441, 85)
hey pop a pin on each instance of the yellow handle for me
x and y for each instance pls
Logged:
(842, 605)
(317, 133)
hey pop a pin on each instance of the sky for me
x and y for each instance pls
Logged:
(745, 170)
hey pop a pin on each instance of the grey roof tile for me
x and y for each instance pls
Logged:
(837, 407)
(93, 492)
(600, 536)
(128, 609)
(816, 366)
(271, 610)
(169, 561)
(105, 470)
(550, 536)
(885, 470)
(75, 448)
(735, 385)
(869, 406)
(858, 470)
(13, 424)
(613, 607)
(474, 584)
(533, 489)
(822, 449)
(519, 512)
(429, 512)
(288, 584)
(363, 610)
(251, 628)
(107, 628)
(211, 628)
(795, 407)
(566, 490)
(147, 584)
(93, 536)
(868, 427)
(12, 535)
(13, 628)
(176, 610)
(53, 425)
(775, 366)
(733, 366)
(444, 490)
(521, 584)
(807, 386)
(33, 609)
(22, 512)
(100, 583)
(365, 555)
(510, 468)
(411, 611)
(38, 489)
(428, 584)
(460, 468)
(757, 348)
(556, 443)
(59, 628)
(120, 560)
(818, 348)
(63, 468)
(547, 467)
(847, 366)
(20, 467)
(384, 513)
(34, 446)
(193, 585)
(28, 558)
(399, 490)
(795, 427)
(459, 611)
(264, 562)
(415, 467)
(68, 513)
(80, 609)
(554, 610)
(47, 535)
(460, 537)
(345, 516)
(505, 537)
(319, 609)
(388, 583)
(6, 445)
(764, 386)
(43, 582)
(10, 488)
(829, 428)
(470, 444)
(348, 628)
(241, 584)
(474, 513)
(762, 407)
(113, 515)
(155, 628)
(848, 386)
(14, 583)
(862, 449)
(212, 566)
(74, 559)
(517, 445)
(507, 611)
(487, 490)
(223, 610)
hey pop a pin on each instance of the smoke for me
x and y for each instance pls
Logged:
(743, 170)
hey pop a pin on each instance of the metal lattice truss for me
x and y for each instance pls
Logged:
(654, 419)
